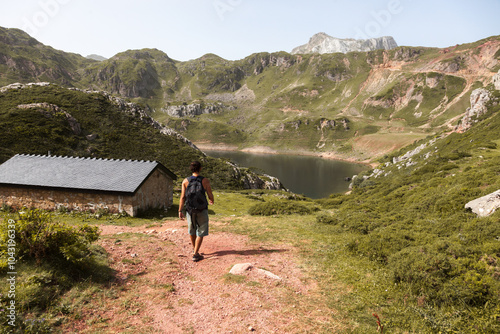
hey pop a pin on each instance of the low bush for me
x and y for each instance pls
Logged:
(51, 258)
(276, 207)
(324, 218)
(38, 236)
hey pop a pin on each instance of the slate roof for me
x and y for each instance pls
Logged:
(124, 176)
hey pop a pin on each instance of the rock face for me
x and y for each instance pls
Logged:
(323, 43)
(496, 80)
(486, 205)
(191, 110)
(478, 100)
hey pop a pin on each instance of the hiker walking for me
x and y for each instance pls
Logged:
(193, 195)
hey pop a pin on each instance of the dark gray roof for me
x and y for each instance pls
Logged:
(77, 173)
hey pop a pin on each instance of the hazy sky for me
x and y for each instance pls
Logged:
(234, 29)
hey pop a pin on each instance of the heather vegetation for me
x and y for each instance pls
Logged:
(400, 245)
(441, 263)
(107, 131)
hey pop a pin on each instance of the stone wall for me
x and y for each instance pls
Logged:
(48, 199)
(155, 192)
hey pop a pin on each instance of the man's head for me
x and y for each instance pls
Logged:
(195, 167)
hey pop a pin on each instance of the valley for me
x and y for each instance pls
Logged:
(330, 104)
(404, 249)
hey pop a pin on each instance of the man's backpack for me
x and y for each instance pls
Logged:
(196, 200)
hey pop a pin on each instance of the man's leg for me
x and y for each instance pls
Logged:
(197, 244)
(201, 222)
(193, 240)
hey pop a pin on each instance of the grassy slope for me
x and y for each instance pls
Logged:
(119, 135)
(332, 86)
(400, 245)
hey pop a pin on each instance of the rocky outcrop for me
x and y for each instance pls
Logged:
(496, 80)
(323, 43)
(486, 205)
(254, 181)
(251, 180)
(51, 110)
(18, 85)
(478, 100)
(143, 113)
(191, 110)
(262, 61)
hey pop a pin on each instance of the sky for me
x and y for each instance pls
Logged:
(235, 29)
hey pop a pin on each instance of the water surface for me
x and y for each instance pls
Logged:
(311, 176)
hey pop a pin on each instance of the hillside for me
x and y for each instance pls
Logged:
(359, 105)
(399, 253)
(24, 59)
(401, 248)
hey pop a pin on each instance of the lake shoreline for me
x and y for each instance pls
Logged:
(268, 150)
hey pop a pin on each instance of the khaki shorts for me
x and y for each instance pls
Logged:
(198, 223)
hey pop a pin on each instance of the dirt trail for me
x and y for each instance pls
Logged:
(159, 289)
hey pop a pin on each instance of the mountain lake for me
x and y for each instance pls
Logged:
(311, 176)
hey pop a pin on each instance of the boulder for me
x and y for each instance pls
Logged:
(242, 268)
(486, 205)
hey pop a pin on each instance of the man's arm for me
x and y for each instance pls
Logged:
(183, 198)
(208, 189)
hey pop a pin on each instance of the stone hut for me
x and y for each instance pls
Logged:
(85, 184)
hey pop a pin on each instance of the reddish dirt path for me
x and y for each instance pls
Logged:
(159, 289)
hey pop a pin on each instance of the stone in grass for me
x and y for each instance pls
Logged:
(241, 268)
(485, 205)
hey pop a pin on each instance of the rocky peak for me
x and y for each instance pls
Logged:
(323, 43)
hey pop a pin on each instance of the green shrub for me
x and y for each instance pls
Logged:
(327, 219)
(275, 207)
(38, 236)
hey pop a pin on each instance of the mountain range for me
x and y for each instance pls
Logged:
(357, 105)
(416, 238)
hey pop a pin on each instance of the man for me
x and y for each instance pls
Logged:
(193, 196)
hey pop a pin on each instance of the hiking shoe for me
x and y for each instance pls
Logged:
(197, 257)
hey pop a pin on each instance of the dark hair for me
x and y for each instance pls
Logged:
(195, 167)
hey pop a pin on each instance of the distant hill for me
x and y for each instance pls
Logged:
(24, 59)
(96, 57)
(323, 43)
